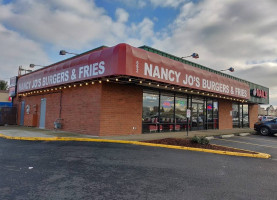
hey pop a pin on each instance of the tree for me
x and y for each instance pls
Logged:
(3, 85)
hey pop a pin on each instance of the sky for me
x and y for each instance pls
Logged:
(229, 33)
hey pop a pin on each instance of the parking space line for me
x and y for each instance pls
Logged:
(248, 143)
(251, 138)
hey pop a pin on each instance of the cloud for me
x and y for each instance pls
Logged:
(17, 50)
(228, 34)
(60, 23)
(122, 15)
(65, 24)
(167, 3)
(30, 28)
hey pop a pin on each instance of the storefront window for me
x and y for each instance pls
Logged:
(235, 114)
(215, 114)
(150, 112)
(240, 115)
(209, 114)
(245, 116)
(180, 113)
(164, 112)
(167, 112)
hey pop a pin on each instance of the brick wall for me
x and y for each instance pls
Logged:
(253, 114)
(99, 109)
(81, 109)
(121, 112)
(224, 109)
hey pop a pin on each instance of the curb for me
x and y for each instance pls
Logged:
(258, 155)
(226, 136)
(244, 134)
(210, 138)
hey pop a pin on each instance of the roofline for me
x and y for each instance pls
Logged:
(73, 57)
(198, 65)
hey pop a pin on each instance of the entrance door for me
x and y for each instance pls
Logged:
(42, 113)
(22, 112)
(197, 116)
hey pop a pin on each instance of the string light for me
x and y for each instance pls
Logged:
(116, 79)
(108, 80)
(92, 83)
(100, 81)
(140, 82)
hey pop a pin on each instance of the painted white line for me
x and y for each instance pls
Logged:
(274, 147)
(259, 139)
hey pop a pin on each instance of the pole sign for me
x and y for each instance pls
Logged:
(188, 113)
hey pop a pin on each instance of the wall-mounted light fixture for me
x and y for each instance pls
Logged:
(64, 52)
(34, 65)
(231, 69)
(194, 55)
(20, 70)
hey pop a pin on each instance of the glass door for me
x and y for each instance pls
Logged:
(197, 116)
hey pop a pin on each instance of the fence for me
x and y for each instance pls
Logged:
(7, 115)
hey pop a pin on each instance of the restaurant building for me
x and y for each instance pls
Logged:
(125, 90)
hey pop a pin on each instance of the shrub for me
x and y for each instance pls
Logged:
(200, 140)
(195, 139)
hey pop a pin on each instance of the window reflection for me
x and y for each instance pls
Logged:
(150, 112)
(240, 115)
(167, 112)
(164, 112)
(180, 113)
(245, 116)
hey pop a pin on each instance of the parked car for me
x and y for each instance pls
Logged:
(266, 127)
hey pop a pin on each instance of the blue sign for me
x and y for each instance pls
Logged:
(6, 104)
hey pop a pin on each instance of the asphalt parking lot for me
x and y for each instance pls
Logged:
(89, 170)
(258, 143)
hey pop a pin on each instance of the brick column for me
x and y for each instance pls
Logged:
(253, 114)
(225, 119)
(121, 109)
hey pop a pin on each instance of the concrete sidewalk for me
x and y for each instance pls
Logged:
(20, 131)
